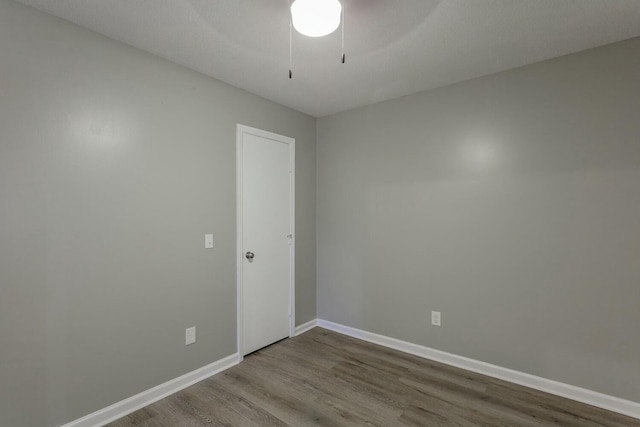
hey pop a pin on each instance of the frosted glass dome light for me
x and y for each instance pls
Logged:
(316, 18)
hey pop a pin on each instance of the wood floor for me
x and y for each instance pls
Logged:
(324, 378)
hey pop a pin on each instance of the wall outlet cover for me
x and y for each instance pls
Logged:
(190, 335)
(435, 318)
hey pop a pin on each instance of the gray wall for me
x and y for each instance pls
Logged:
(113, 165)
(510, 203)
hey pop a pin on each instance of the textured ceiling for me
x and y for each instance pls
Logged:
(394, 47)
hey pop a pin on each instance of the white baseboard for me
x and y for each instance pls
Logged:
(140, 400)
(604, 401)
(301, 329)
(127, 406)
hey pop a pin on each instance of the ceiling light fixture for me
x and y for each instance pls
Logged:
(316, 18)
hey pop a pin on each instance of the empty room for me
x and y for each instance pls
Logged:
(319, 212)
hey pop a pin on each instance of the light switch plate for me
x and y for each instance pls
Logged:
(190, 335)
(208, 241)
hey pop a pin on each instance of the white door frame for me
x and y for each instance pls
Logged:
(240, 130)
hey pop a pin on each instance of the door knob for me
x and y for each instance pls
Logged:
(249, 256)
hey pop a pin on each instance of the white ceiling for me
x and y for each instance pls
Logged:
(394, 47)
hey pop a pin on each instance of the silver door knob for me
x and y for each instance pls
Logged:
(249, 256)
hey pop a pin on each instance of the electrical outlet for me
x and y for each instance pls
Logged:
(190, 335)
(435, 318)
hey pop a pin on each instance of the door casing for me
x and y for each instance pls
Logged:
(240, 130)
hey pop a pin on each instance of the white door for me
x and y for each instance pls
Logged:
(265, 238)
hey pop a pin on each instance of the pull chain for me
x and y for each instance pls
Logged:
(290, 48)
(343, 10)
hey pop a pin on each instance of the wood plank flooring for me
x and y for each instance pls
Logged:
(325, 378)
